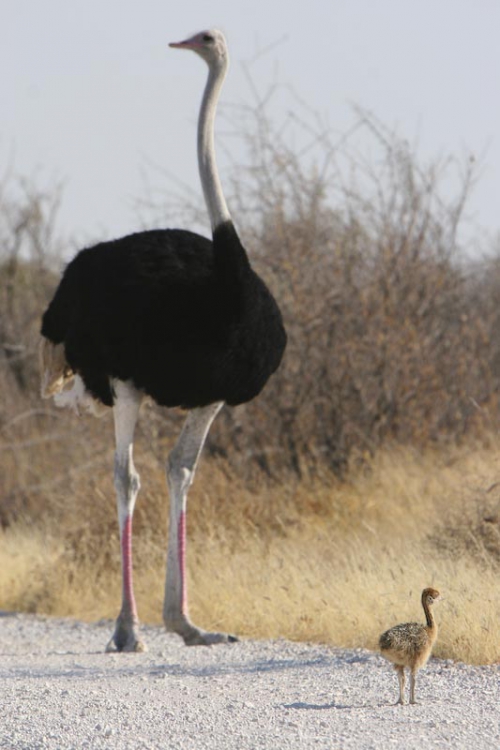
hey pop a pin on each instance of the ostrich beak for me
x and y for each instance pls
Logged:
(190, 43)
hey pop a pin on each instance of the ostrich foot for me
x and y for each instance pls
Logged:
(194, 636)
(198, 637)
(126, 637)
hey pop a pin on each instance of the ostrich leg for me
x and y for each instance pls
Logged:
(126, 412)
(413, 678)
(402, 680)
(180, 473)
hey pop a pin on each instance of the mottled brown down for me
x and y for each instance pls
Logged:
(410, 644)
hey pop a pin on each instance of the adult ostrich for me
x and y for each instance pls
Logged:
(174, 316)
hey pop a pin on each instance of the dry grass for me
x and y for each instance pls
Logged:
(319, 559)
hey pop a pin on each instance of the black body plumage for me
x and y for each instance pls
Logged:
(184, 318)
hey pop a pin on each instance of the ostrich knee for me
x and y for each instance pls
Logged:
(179, 477)
(127, 485)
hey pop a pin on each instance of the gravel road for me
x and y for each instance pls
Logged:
(59, 690)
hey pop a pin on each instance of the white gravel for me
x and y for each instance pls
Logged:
(58, 689)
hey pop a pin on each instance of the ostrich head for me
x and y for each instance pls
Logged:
(431, 596)
(210, 45)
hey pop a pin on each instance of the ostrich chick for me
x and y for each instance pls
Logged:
(410, 644)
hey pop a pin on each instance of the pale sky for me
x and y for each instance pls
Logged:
(92, 95)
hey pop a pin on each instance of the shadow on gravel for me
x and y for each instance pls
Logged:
(328, 706)
(255, 667)
(312, 706)
(110, 667)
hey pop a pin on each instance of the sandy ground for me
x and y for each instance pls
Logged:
(59, 690)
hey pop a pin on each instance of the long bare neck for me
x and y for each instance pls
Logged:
(429, 617)
(209, 175)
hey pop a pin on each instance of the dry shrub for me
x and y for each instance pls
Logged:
(28, 249)
(386, 340)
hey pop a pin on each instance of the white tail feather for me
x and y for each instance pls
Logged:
(57, 375)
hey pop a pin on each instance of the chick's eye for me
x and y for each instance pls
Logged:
(207, 38)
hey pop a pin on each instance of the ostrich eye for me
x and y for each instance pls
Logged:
(208, 38)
